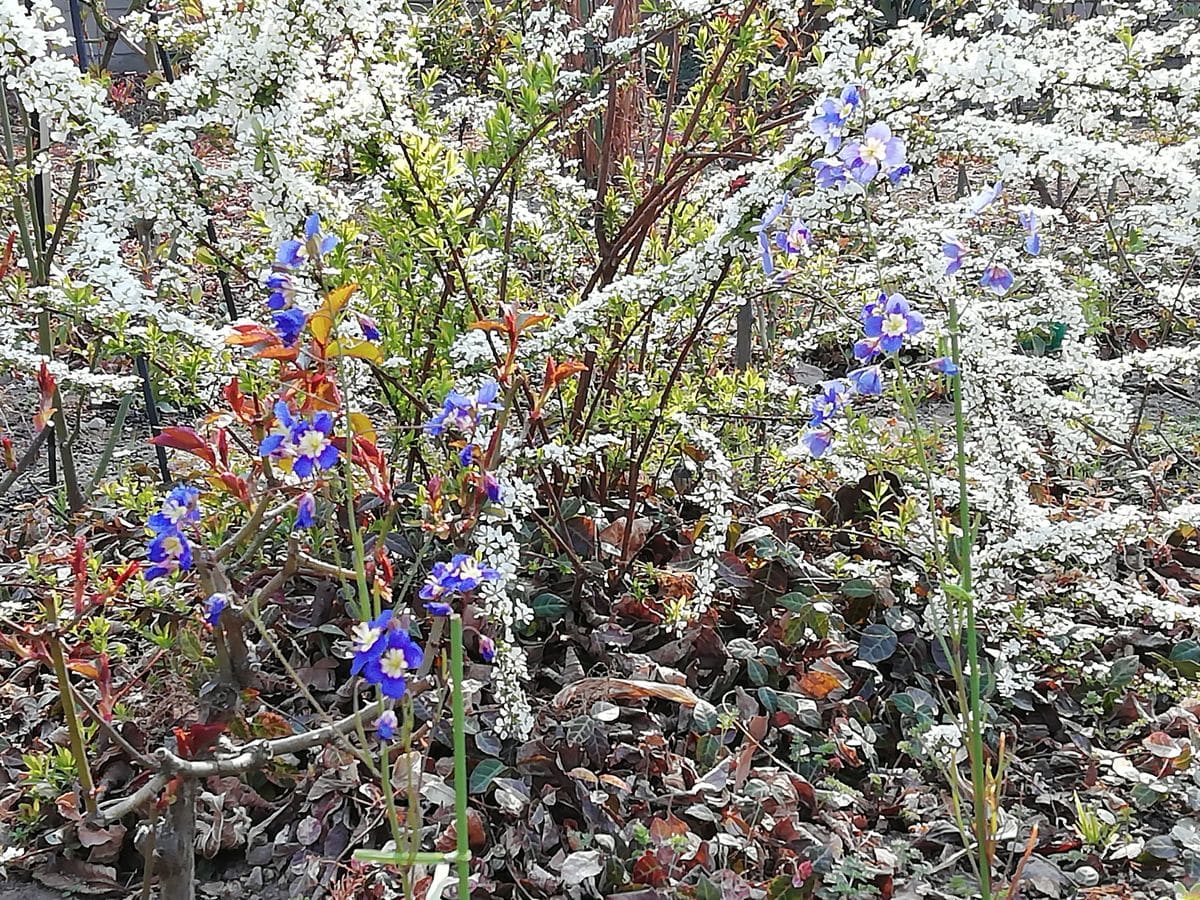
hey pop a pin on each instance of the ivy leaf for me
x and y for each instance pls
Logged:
(484, 774)
(878, 643)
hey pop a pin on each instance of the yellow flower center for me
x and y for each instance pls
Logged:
(311, 443)
(393, 663)
(873, 149)
(894, 324)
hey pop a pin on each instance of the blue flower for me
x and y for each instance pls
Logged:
(367, 640)
(213, 607)
(487, 648)
(290, 254)
(470, 573)
(833, 115)
(442, 580)
(282, 290)
(466, 456)
(829, 402)
(369, 327)
(314, 448)
(795, 240)
(170, 552)
(943, 365)
(277, 443)
(954, 250)
(439, 608)
(867, 381)
(997, 279)
(985, 198)
(288, 324)
(461, 412)
(462, 575)
(491, 487)
(306, 510)
(386, 724)
(180, 507)
(892, 323)
(867, 348)
(878, 151)
(319, 244)
(831, 174)
(1033, 240)
(762, 230)
(817, 440)
(389, 668)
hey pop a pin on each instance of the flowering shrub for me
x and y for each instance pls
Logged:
(536, 334)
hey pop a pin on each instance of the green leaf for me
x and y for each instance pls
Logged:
(550, 607)
(878, 643)
(858, 589)
(757, 671)
(1122, 671)
(704, 717)
(484, 773)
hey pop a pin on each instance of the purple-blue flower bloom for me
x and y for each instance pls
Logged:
(867, 381)
(460, 412)
(313, 445)
(487, 648)
(180, 507)
(276, 444)
(288, 324)
(829, 402)
(878, 151)
(833, 115)
(997, 279)
(817, 440)
(386, 724)
(892, 323)
(439, 607)
(831, 174)
(985, 198)
(213, 607)
(170, 552)
(290, 254)
(367, 640)
(866, 349)
(312, 235)
(306, 510)
(390, 667)
(1033, 240)
(762, 230)
(795, 240)
(955, 252)
(943, 365)
(369, 327)
(282, 290)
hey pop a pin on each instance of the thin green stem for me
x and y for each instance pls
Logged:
(70, 714)
(966, 540)
(461, 824)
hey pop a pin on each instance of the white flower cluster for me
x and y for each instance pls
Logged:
(714, 493)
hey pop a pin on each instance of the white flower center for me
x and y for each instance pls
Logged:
(874, 150)
(311, 443)
(364, 637)
(469, 570)
(894, 325)
(173, 545)
(393, 663)
(847, 110)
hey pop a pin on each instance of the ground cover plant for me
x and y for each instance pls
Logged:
(693, 449)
